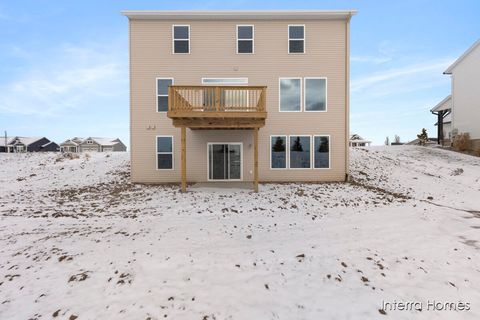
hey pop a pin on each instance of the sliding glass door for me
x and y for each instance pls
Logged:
(224, 161)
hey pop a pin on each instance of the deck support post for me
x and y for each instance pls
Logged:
(184, 159)
(255, 159)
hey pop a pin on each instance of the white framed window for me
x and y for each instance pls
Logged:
(315, 94)
(245, 39)
(181, 39)
(164, 152)
(321, 152)
(162, 93)
(300, 152)
(290, 94)
(296, 38)
(89, 142)
(278, 152)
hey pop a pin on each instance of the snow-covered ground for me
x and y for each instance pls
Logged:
(78, 240)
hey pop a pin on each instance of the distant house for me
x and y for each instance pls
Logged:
(71, 145)
(92, 144)
(27, 144)
(357, 141)
(443, 111)
(465, 96)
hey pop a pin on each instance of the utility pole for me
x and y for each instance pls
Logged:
(6, 147)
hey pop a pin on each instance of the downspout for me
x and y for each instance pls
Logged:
(347, 97)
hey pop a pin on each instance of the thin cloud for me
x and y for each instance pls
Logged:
(407, 72)
(72, 77)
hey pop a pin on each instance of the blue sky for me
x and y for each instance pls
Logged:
(64, 64)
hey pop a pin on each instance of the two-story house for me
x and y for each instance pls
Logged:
(239, 96)
(460, 111)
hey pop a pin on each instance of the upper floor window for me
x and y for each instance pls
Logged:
(290, 94)
(89, 142)
(315, 94)
(244, 39)
(181, 39)
(162, 93)
(296, 39)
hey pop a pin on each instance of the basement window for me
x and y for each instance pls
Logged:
(165, 152)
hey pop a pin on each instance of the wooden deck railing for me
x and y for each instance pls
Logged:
(217, 98)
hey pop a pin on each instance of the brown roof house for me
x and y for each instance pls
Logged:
(239, 95)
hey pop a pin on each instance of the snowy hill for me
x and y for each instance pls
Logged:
(79, 240)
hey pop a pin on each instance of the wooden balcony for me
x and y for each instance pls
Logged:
(217, 107)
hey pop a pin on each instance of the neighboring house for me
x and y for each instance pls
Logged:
(239, 95)
(27, 144)
(93, 144)
(443, 111)
(465, 104)
(357, 141)
(71, 145)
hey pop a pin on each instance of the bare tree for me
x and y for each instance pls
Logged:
(397, 139)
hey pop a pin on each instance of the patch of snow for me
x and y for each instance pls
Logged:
(77, 238)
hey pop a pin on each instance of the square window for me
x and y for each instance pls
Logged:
(295, 46)
(245, 32)
(181, 46)
(296, 32)
(164, 161)
(181, 32)
(245, 46)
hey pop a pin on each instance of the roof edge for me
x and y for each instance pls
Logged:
(462, 57)
(434, 109)
(238, 14)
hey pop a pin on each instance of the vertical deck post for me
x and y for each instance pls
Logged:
(255, 159)
(184, 159)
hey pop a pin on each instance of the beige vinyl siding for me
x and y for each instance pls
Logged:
(213, 55)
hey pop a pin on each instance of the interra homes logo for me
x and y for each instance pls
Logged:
(429, 305)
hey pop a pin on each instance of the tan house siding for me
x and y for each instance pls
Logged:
(213, 55)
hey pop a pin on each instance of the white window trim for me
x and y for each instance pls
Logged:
(286, 151)
(289, 162)
(160, 95)
(225, 83)
(279, 93)
(173, 38)
(304, 37)
(157, 153)
(241, 161)
(253, 37)
(305, 94)
(329, 151)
